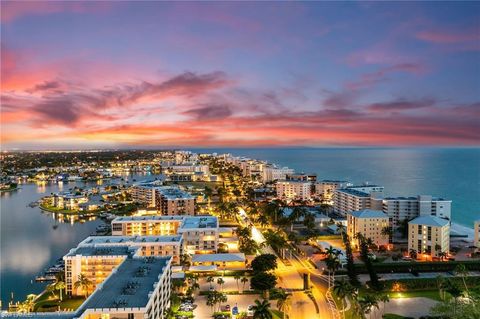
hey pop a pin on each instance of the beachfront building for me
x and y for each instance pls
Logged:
(168, 200)
(200, 233)
(327, 188)
(370, 224)
(145, 245)
(67, 201)
(290, 190)
(94, 263)
(476, 234)
(273, 173)
(354, 198)
(139, 287)
(401, 208)
(429, 236)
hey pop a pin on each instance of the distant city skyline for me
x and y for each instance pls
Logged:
(78, 75)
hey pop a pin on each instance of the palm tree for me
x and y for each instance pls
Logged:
(237, 278)
(462, 271)
(261, 310)
(454, 291)
(442, 255)
(210, 280)
(413, 254)
(28, 304)
(284, 302)
(60, 286)
(342, 289)
(220, 282)
(84, 283)
(368, 302)
(244, 280)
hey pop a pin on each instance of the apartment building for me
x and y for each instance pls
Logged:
(429, 236)
(200, 233)
(95, 263)
(401, 208)
(370, 224)
(290, 190)
(349, 200)
(273, 173)
(476, 235)
(168, 200)
(145, 245)
(327, 188)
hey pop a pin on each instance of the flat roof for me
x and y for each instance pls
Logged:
(99, 240)
(218, 257)
(353, 192)
(206, 221)
(129, 285)
(100, 251)
(429, 220)
(369, 213)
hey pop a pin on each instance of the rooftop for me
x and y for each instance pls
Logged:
(429, 220)
(206, 221)
(129, 285)
(353, 192)
(105, 240)
(99, 251)
(218, 257)
(369, 213)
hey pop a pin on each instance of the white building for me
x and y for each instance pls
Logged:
(273, 173)
(428, 236)
(289, 190)
(200, 233)
(168, 200)
(401, 208)
(370, 224)
(327, 188)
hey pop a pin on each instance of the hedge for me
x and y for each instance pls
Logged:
(407, 267)
(429, 283)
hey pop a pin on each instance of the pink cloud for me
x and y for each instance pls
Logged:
(449, 37)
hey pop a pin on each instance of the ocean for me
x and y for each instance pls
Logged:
(452, 173)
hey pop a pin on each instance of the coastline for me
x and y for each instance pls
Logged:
(463, 230)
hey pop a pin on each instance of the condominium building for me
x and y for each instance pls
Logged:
(327, 188)
(200, 233)
(166, 199)
(146, 245)
(401, 208)
(67, 201)
(94, 263)
(370, 224)
(349, 200)
(476, 235)
(429, 236)
(290, 190)
(273, 173)
(139, 287)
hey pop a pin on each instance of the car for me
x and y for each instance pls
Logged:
(227, 308)
(212, 289)
(250, 310)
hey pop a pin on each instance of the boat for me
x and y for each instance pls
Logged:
(45, 278)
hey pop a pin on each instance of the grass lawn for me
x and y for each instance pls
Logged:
(47, 303)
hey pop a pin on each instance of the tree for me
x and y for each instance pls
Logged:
(261, 310)
(210, 280)
(351, 270)
(283, 302)
(384, 298)
(60, 286)
(386, 232)
(462, 271)
(28, 305)
(368, 302)
(185, 261)
(237, 278)
(244, 280)
(454, 291)
(264, 262)
(84, 283)
(309, 221)
(275, 240)
(220, 282)
(342, 289)
(413, 254)
(263, 281)
(364, 255)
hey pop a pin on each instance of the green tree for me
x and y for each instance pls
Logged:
(283, 302)
(210, 280)
(343, 289)
(264, 262)
(220, 282)
(261, 310)
(244, 280)
(84, 283)
(60, 286)
(263, 281)
(237, 279)
(462, 272)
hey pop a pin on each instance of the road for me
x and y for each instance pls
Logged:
(291, 277)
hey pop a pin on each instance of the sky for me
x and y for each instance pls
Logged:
(77, 75)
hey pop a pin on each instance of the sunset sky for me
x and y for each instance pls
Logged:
(158, 74)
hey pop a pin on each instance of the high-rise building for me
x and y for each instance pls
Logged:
(289, 190)
(369, 223)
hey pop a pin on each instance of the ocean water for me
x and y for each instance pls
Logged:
(452, 173)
